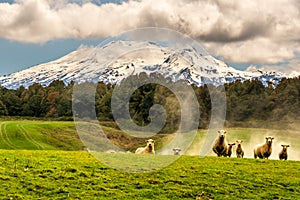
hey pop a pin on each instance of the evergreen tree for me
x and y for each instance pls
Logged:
(3, 109)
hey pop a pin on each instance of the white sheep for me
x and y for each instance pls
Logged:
(229, 149)
(264, 150)
(176, 151)
(149, 149)
(239, 149)
(283, 155)
(220, 146)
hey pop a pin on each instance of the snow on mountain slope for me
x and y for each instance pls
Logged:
(98, 64)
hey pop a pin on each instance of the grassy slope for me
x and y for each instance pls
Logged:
(57, 135)
(78, 175)
(39, 135)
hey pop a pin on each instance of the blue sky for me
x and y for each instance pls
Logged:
(261, 34)
(15, 56)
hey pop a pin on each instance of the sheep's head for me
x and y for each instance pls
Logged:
(269, 140)
(222, 133)
(284, 147)
(176, 151)
(239, 142)
(232, 144)
(150, 143)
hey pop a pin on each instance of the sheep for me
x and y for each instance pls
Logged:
(229, 149)
(265, 150)
(149, 149)
(220, 146)
(176, 151)
(239, 149)
(111, 151)
(283, 153)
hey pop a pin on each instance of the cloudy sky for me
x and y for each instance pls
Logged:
(264, 34)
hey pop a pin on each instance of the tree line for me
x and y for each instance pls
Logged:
(246, 101)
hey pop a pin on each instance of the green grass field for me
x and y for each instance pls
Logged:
(57, 135)
(33, 166)
(39, 135)
(78, 175)
(60, 135)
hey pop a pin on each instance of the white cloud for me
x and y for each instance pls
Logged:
(258, 50)
(239, 31)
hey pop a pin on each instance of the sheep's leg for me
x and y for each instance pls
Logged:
(215, 151)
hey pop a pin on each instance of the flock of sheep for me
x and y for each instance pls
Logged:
(222, 148)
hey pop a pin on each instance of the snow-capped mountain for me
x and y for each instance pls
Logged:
(98, 64)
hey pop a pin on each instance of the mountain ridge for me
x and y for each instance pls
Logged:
(95, 64)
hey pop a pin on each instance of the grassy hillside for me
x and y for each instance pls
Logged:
(39, 135)
(57, 135)
(78, 175)
(60, 135)
(46, 173)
